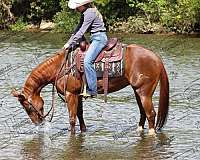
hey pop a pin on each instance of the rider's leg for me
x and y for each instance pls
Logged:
(99, 41)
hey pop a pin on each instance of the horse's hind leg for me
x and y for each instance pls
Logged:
(145, 93)
(150, 112)
(142, 112)
(80, 115)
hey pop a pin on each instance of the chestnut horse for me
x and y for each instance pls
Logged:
(143, 70)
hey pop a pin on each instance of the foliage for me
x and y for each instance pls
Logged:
(184, 16)
(6, 17)
(42, 9)
(66, 19)
(136, 25)
(19, 25)
(143, 16)
(113, 10)
(175, 15)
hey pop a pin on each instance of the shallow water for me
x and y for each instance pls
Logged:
(111, 126)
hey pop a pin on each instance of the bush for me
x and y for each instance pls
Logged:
(181, 16)
(65, 20)
(136, 25)
(19, 25)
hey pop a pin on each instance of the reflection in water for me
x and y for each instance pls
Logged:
(73, 148)
(41, 147)
(79, 147)
(33, 149)
(151, 147)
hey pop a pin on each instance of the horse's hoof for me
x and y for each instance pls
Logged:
(139, 129)
(83, 129)
(152, 132)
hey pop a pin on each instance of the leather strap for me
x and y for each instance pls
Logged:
(105, 75)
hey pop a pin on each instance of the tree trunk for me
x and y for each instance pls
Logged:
(8, 10)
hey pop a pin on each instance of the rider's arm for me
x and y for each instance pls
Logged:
(88, 18)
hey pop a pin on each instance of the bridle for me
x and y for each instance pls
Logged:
(32, 107)
(59, 75)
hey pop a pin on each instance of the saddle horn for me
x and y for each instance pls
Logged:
(83, 46)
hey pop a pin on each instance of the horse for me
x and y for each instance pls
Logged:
(143, 70)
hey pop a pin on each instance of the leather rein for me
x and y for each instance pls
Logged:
(59, 75)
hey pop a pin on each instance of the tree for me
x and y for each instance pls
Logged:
(6, 16)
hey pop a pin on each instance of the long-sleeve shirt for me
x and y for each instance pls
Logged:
(91, 20)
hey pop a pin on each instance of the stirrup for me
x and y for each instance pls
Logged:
(84, 90)
(84, 93)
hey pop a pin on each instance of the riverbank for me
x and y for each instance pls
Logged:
(120, 27)
(44, 26)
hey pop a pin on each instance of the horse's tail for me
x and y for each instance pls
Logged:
(164, 99)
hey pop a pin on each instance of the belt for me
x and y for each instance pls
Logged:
(98, 31)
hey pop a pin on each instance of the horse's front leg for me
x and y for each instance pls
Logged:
(80, 114)
(72, 104)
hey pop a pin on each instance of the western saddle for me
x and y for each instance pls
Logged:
(112, 52)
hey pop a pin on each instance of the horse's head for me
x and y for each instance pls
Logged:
(34, 110)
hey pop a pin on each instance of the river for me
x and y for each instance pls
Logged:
(111, 127)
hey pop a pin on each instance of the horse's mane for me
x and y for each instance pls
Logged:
(43, 74)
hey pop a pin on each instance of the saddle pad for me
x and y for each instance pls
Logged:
(116, 64)
(115, 69)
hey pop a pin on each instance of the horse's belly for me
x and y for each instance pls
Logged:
(114, 84)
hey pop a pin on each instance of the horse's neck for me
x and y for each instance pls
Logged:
(43, 75)
(30, 90)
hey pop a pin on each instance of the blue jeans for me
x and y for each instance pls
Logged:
(98, 42)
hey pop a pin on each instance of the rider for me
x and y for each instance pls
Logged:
(91, 20)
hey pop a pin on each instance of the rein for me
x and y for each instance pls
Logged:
(53, 90)
(38, 112)
(54, 84)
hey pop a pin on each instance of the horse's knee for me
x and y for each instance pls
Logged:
(72, 121)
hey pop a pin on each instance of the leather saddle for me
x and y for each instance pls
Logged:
(112, 52)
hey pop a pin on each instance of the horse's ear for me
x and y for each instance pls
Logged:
(21, 97)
